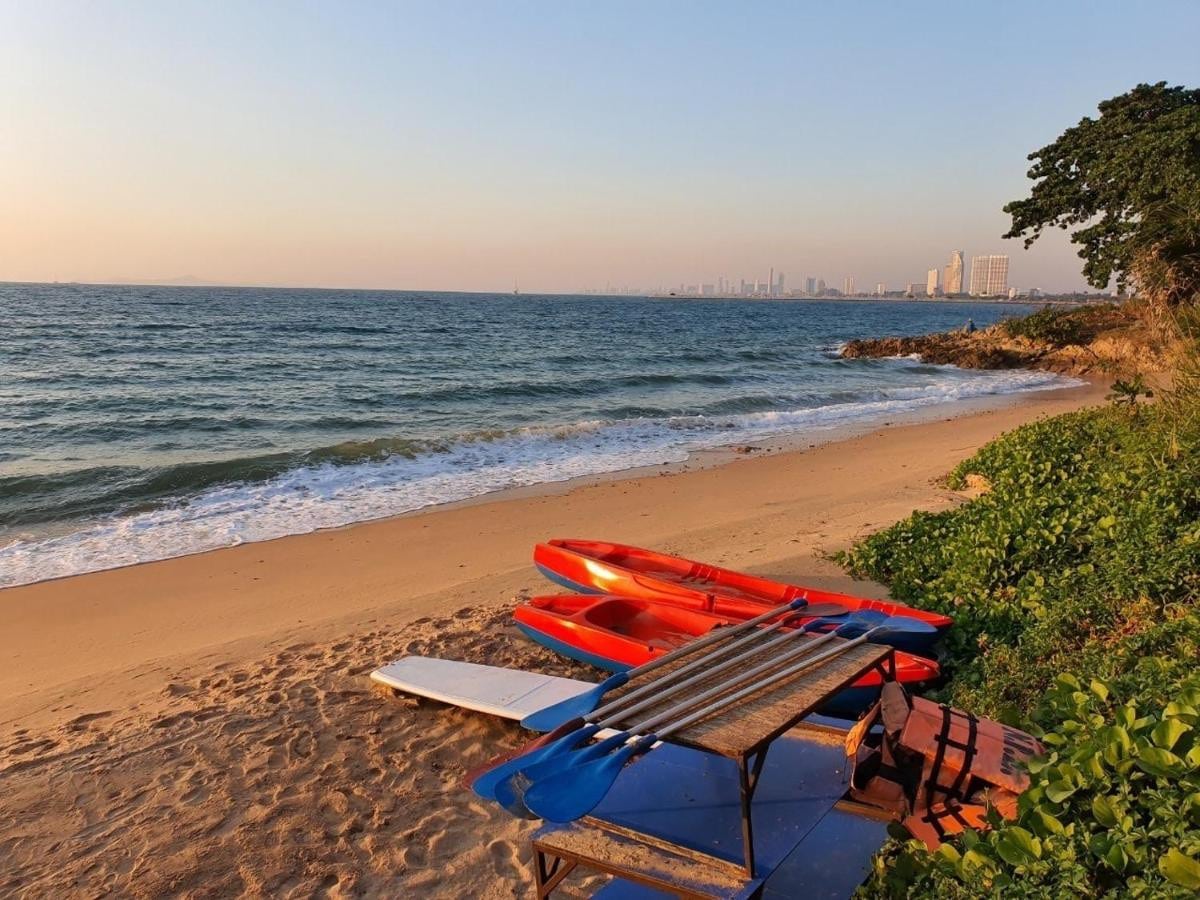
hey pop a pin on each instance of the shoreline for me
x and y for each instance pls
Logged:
(97, 639)
(697, 458)
(230, 687)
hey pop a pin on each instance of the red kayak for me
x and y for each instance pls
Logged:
(600, 567)
(617, 633)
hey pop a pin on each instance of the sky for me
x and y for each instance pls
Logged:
(560, 145)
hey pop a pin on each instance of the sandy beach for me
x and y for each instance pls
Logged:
(203, 726)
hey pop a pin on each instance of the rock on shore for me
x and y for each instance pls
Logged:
(1115, 343)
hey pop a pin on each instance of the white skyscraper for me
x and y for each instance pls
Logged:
(953, 281)
(989, 276)
(848, 285)
(932, 288)
(881, 289)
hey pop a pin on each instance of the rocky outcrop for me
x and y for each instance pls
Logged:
(1124, 349)
(971, 351)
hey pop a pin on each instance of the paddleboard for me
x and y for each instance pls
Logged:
(496, 691)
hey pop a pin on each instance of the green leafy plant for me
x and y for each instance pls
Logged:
(1113, 809)
(1075, 586)
(1126, 392)
(1058, 327)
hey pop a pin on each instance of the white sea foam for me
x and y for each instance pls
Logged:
(326, 496)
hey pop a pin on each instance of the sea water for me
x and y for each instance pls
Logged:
(139, 423)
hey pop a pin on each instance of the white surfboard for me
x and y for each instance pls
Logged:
(509, 693)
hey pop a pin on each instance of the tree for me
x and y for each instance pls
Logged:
(1110, 179)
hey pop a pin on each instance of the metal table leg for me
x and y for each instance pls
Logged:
(749, 770)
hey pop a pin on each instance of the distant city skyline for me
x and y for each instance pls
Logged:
(468, 147)
(989, 277)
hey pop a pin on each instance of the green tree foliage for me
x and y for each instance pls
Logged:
(1119, 181)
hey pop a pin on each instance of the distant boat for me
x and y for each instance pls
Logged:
(516, 290)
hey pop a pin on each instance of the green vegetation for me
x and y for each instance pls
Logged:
(1058, 327)
(1074, 578)
(1126, 392)
(1074, 581)
(1128, 183)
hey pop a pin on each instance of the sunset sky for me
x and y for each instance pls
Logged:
(460, 146)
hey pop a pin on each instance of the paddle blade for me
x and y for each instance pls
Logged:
(544, 768)
(573, 707)
(872, 616)
(563, 738)
(576, 791)
(900, 626)
(882, 630)
(511, 793)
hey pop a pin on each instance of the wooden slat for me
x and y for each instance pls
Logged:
(749, 723)
(658, 864)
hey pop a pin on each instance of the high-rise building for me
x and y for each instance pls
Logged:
(989, 276)
(810, 286)
(848, 285)
(820, 286)
(881, 289)
(953, 281)
(771, 281)
(932, 288)
(779, 285)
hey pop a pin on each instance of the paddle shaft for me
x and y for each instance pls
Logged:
(715, 637)
(801, 666)
(607, 716)
(666, 678)
(715, 691)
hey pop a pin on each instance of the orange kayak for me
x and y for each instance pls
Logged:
(602, 567)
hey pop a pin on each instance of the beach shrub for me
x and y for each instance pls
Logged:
(1074, 582)
(1058, 327)
(1090, 531)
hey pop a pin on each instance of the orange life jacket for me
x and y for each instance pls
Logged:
(937, 769)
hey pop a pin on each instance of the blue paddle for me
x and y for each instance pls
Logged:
(575, 731)
(581, 704)
(532, 767)
(573, 791)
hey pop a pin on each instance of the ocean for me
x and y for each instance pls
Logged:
(140, 423)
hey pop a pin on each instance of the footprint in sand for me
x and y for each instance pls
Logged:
(79, 723)
(504, 859)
